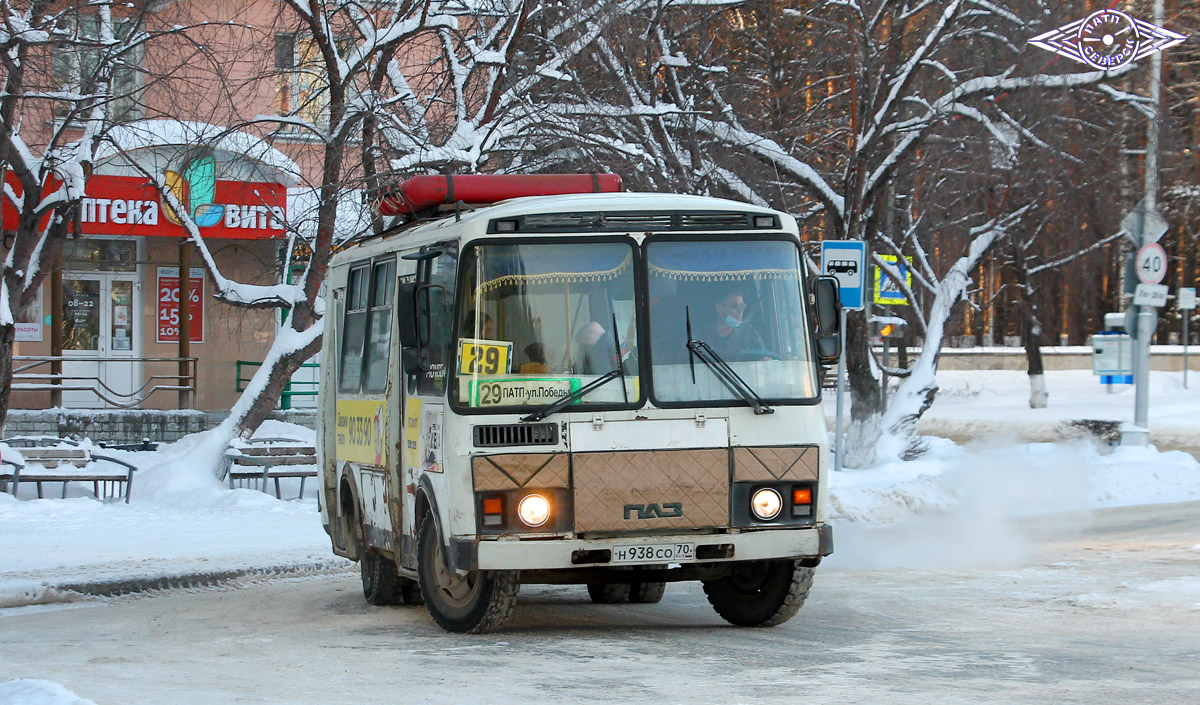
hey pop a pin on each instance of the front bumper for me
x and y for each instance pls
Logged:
(550, 554)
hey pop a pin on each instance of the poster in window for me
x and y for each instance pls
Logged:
(29, 323)
(167, 320)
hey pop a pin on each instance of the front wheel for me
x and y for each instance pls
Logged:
(760, 593)
(475, 603)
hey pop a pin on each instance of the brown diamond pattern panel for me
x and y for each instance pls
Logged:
(606, 482)
(516, 470)
(771, 464)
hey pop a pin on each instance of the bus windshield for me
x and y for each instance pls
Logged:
(742, 299)
(541, 321)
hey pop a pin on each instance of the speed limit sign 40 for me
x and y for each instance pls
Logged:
(1152, 264)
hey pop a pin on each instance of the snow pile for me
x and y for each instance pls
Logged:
(181, 521)
(959, 507)
(186, 471)
(27, 691)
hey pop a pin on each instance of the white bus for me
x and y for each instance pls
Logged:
(612, 389)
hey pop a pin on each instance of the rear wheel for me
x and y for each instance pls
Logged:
(477, 602)
(608, 593)
(760, 593)
(380, 583)
(647, 593)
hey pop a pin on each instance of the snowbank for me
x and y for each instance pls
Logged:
(35, 692)
(181, 521)
(959, 507)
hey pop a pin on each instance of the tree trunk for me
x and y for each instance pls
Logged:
(7, 338)
(866, 400)
(279, 374)
(1031, 328)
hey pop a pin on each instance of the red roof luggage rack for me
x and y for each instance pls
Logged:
(422, 193)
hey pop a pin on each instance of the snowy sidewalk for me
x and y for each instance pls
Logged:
(991, 407)
(182, 527)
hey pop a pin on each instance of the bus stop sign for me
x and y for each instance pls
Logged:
(845, 261)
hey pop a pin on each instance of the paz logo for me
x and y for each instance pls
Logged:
(195, 188)
(1108, 39)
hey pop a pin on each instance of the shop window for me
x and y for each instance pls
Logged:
(97, 255)
(354, 329)
(367, 330)
(76, 67)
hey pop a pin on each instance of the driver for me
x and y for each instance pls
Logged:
(731, 336)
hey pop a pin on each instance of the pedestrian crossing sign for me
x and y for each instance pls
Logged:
(886, 290)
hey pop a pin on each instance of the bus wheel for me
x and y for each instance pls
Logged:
(476, 603)
(760, 593)
(608, 593)
(647, 593)
(381, 584)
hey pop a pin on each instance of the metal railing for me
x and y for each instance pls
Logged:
(25, 380)
(285, 397)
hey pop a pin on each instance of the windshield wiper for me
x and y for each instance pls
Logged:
(559, 404)
(574, 396)
(722, 370)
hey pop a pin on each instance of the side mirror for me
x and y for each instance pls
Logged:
(422, 308)
(406, 314)
(828, 305)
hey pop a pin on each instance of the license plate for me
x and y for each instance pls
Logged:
(654, 553)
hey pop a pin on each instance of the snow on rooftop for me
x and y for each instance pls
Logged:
(146, 134)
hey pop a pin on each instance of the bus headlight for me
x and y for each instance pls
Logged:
(534, 510)
(766, 504)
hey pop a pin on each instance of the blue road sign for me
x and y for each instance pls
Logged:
(887, 291)
(846, 260)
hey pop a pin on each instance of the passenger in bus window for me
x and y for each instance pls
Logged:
(536, 352)
(595, 352)
(731, 336)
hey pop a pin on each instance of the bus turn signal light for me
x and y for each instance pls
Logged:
(493, 511)
(802, 501)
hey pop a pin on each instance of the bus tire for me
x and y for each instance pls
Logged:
(760, 593)
(474, 604)
(608, 593)
(647, 593)
(381, 584)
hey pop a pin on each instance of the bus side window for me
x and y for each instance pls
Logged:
(354, 328)
(379, 326)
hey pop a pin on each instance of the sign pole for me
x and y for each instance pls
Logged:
(1186, 316)
(1146, 315)
(845, 261)
(839, 442)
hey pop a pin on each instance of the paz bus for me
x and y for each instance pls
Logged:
(545, 379)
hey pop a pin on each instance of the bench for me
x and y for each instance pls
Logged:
(271, 459)
(105, 486)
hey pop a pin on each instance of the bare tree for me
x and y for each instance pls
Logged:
(887, 99)
(70, 75)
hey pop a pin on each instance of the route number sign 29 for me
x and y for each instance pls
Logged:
(1152, 264)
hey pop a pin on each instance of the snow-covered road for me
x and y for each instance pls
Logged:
(1108, 610)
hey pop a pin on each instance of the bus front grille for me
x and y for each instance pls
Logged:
(500, 435)
(651, 489)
